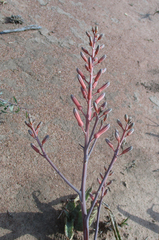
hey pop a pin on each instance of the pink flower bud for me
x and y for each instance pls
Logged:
(117, 135)
(80, 73)
(100, 98)
(102, 59)
(95, 59)
(78, 118)
(103, 87)
(84, 57)
(103, 130)
(103, 106)
(110, 144)
(35, 148)
(109, 183)
(127, 150)
(90, 63)
(130, 132)
(100, 37)
(93, 30)
(97, 50)
(76, 103)
(84, 50)
(81, 81)
(119, 123)
(98, 75)
(91, 195)
(84, 93)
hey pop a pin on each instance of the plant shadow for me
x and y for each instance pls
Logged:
(37, 224)
(147, 224)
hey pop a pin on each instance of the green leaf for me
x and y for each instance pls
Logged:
(17, 110)
(69, 227)
(26, 114)
(88, 191)
(93, 215)
(15, 100)
(3, 111)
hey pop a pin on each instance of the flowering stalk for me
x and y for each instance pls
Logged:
(94, 110)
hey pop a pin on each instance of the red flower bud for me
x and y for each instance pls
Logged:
(95, 107)
(103, 87)
(86, 67)
(126, 118)
(78, 105)
(127, 150)
(81, 74)
(100, 37)
(98, 75)
(84, 93)
(90, 63)
(102, 46)
(35, 148)
(119, 123)
(99, 181)
(87, 33)
(38, 127)
(100, 98)
(97, 50)
(31, 133)
(117, 135)
(84, 57)
(103, 130)
(102, 59)
(110, 144)
(81, 81)
(45, 139)
(78, 118)
(90, 41)
(84, 50)
(130, 132)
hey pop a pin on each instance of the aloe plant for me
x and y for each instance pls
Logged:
(93, 125)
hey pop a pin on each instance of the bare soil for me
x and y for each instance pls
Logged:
(39, 68)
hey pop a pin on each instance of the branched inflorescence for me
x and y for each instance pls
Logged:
(94, 113)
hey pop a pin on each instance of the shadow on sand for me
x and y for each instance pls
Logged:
(39, 224)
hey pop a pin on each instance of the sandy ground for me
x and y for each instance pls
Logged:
(39, 68)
